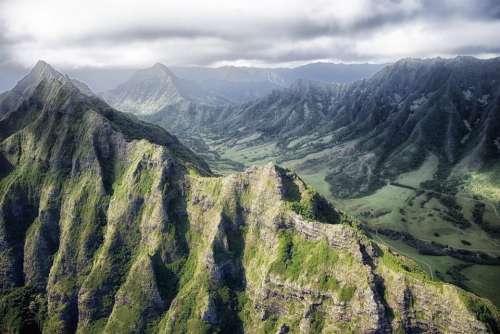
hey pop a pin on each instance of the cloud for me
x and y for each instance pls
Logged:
(126, 33)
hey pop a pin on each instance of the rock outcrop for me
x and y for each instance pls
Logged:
(110, 225)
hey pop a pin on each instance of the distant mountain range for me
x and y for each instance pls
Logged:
(413, 151)
(391, 121)
(243, 84)
(237, 84)
(110, 225)
(326, 72)
(159, 86)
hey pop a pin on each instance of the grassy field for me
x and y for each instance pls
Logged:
(404, 210)
(400, 209)
(251, 155)
(484, 281)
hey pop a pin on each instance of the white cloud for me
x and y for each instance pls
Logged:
(71, 33)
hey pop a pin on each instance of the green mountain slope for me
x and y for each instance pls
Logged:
(371, 130)
(413, 151)
(110, 225)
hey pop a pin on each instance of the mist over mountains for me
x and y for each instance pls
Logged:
(242, 84)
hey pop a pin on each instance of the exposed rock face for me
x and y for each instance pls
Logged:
(110, 225)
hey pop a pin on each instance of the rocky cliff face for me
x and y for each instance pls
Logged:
(109, 225)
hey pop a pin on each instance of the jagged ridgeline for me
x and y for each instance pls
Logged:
(108, 224)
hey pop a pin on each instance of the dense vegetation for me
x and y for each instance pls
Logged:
(105, 231)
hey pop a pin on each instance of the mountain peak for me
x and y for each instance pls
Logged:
(156, 72)
(150, 90)
(42, 64)
(161, 67)
(41, 71)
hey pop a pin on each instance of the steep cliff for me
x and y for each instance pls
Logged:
(108, 224)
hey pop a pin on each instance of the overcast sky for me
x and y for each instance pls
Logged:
(123, 33)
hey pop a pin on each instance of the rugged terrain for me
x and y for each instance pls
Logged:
(378, 128)
(413, 151)
(108, 224)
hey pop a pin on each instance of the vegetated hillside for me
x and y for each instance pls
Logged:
(387, 124)
(390, 122)
(110, 225)
(413, 151)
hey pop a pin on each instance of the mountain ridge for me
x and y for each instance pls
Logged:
(104, 230)
(151, 89)
(376, 112)
(413, 152)
(220, 86)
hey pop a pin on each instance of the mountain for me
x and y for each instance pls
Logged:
(236, 84)
(413, 152)
(152, 89)
(244, 84)
(330, 72)
(234, 74)
(281, 76)
(109, 224)
(82, 87)
(391, 121)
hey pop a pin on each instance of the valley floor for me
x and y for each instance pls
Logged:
(403, 215)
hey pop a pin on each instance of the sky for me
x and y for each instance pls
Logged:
(133, 34)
